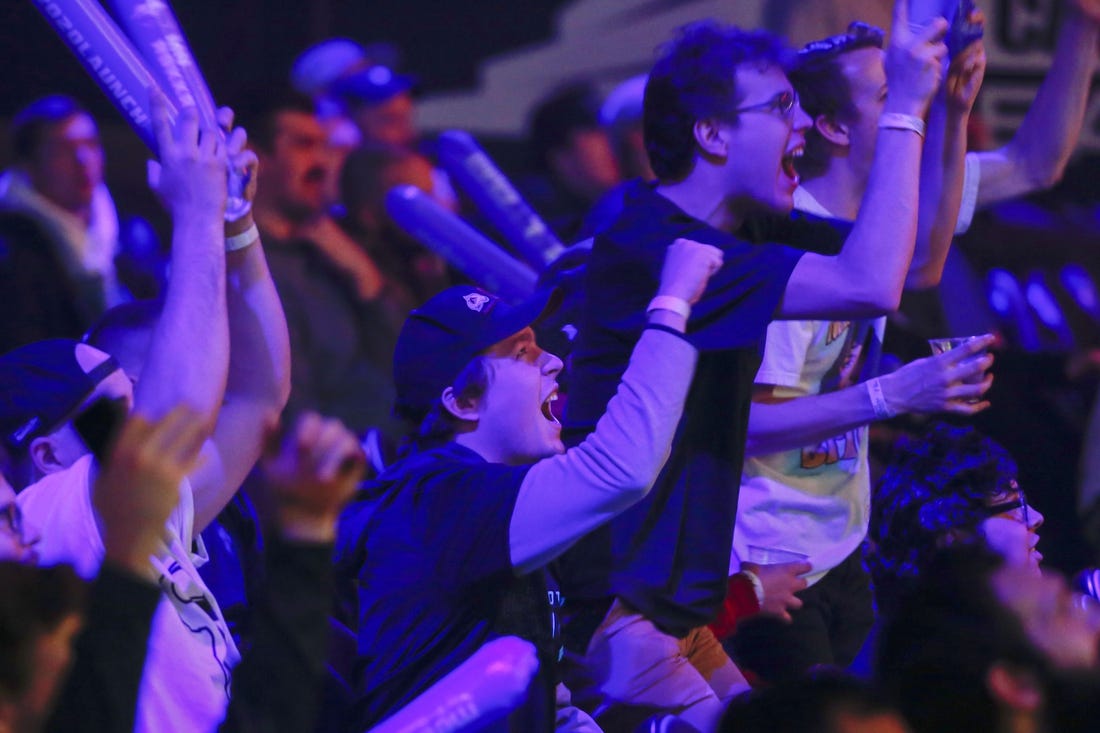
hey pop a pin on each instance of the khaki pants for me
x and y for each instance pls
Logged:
(633, 670)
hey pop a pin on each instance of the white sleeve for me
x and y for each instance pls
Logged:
(565, 497)
(972, 178)
(785, 353)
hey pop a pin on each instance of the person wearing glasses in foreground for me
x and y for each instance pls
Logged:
(723, 130)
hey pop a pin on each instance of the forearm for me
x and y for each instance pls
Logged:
(189, 351)
(785, 424)
(565, 497)
(879, 250)
(259, 356)
(866, 278)
(943, 172)
(1038, 154)
(258, 382)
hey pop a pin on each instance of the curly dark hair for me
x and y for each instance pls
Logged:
(695, 78)
(936, 487)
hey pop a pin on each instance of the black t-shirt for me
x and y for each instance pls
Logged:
(435, 581)
(668, 556)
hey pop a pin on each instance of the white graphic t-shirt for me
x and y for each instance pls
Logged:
(185, 685)
(813, 502)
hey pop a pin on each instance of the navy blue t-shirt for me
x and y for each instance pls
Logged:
(435, 579)
(668, 556)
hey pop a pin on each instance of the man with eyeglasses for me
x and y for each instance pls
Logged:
(806, 486)
(723, 130)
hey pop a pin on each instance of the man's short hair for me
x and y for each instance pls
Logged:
(939, 643)
(695, 78)
(30, 124)
(258, 110)
(823, 89)
(935, 486)
(33, 601)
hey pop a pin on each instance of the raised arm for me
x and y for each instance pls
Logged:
(866, 278)
(258, 382)
(1037, 155)
(189, 350)
(565, 497)
(943, 166)
(778, 421)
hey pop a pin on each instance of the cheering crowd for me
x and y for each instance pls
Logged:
(301, 474)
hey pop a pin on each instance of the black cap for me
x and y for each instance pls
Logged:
(41, 385)
(442, 336)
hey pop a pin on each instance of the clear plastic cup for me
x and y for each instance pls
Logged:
(943, 345)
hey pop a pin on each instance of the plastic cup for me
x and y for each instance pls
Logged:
(943, 345)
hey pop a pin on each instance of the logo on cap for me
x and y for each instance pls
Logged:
(476, 301)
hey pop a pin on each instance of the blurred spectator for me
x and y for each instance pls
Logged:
(573, 157)
(984, 645)
(379, 100)
(621, 116)
(413, 273)
(58, 225)
(40, 614)
(314, 72)
(342, 320)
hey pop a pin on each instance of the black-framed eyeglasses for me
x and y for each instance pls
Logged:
(11, 517)
(1005, 507)
(859, 35)
(782, 104)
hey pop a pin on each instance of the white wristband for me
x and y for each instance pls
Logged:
(757, 586)
(670, 303)
(899, 121)
(883, 411)
(242, 240)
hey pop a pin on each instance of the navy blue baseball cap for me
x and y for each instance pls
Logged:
(41, 386)
(442, 336)
(371, 85)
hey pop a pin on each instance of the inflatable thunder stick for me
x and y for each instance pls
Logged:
(496, 198)
(155, 33)
(110, 59)
(460, 244)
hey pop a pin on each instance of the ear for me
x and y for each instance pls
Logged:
(832, 130)
(1014, 688)
(710, 137)
(43, 453)
(463, 409)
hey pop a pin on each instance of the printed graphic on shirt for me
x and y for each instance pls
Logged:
(200, 613)
(856, 361)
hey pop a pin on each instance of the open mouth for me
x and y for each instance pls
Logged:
(788, 162)
(547, 409)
